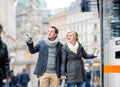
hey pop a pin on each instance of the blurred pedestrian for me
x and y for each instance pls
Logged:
(12, 82)
(49, 58)
(24, 78)
(96, 81)
(18, 79)
(4, 60)
(72, 63)
(88, 77)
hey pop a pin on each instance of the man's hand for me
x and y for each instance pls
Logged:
(28, 38)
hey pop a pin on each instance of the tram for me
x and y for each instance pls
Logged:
(110, 33)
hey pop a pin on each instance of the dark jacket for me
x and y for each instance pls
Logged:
(73, 65)
(4, 61)
(41, 65)
(13, 79)
(24, 77)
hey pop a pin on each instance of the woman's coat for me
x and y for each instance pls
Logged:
(72, 64)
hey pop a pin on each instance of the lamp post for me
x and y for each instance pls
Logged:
(102, 42)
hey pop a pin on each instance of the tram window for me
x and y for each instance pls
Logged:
(117, 55)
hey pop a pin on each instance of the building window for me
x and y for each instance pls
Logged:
(95, 26)
(95, 38)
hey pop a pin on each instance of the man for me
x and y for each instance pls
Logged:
(4, 61)
(49, 58)
(24, 78)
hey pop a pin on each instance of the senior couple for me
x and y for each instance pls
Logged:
(56, 60)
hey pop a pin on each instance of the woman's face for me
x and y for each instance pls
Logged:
(71, 37)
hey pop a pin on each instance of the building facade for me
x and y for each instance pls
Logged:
(86, 24)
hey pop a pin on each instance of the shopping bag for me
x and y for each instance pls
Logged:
(63, 83)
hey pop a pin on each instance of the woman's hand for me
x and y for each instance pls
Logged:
(63, 77)
(96, 52)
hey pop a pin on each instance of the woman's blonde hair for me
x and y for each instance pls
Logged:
(75, 33)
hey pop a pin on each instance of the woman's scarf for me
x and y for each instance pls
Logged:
(72, 47)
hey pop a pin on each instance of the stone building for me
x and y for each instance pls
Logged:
(30, 20)
(18, 18)
(7, 19)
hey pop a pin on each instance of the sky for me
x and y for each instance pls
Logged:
(58, 3)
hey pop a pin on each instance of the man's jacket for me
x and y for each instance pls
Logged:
(42, 48)
(4, 61)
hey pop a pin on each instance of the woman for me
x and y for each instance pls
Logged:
(72, 64)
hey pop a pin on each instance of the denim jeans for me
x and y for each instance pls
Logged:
(82, 84)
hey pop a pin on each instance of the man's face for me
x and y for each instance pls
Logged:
(51, 34)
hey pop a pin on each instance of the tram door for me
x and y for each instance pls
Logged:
(112, 63)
